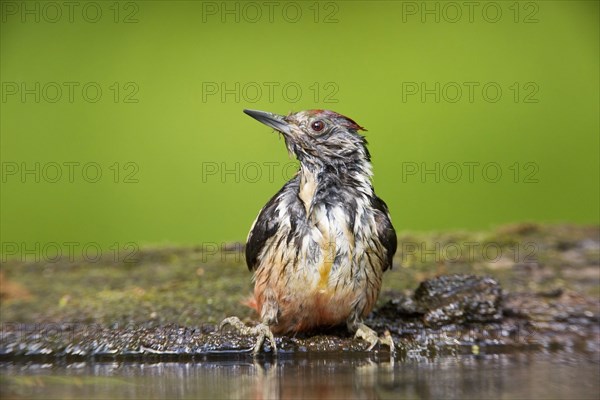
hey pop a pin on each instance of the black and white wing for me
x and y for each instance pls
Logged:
(267, 224)
(385, 230)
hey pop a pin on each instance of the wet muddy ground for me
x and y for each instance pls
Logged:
(520, 288)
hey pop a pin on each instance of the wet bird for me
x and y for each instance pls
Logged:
(320, 246)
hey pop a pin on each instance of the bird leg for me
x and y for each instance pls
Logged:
(370, 336)
(260, 331)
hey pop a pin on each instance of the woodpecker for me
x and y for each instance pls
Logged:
(319, 247)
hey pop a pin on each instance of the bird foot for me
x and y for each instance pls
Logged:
(260, 331)
(370, 336)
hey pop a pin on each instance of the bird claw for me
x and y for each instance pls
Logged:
(370, 336)
(261, 331)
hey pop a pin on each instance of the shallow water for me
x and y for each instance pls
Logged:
(530, 376)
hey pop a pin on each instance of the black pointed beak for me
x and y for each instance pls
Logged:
(274, 121)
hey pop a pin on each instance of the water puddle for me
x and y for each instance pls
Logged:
(508, 376)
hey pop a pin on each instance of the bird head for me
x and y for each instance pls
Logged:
(318, 137)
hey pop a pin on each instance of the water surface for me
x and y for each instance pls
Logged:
(529, 376)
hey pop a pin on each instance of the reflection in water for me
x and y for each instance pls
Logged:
(340, 377)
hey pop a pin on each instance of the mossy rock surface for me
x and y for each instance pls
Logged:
(518, 288)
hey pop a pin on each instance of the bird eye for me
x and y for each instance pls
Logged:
(317, 125)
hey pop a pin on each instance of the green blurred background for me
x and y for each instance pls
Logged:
(181, 163)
